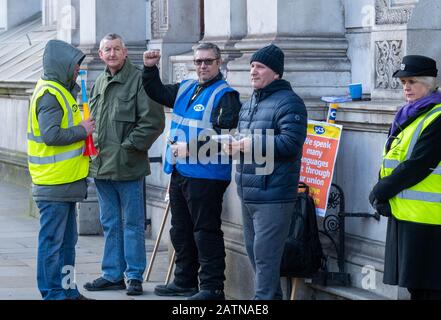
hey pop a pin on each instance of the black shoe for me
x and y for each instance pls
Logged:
(135, 288)
(80, 297)
(172, 289)
(208, 295)
(101, 284)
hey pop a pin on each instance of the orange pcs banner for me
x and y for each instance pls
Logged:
(318, 160)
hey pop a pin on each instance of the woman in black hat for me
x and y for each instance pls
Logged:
(409, 188)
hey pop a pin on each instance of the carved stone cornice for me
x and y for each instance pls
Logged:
(159, 16)
(388, 54)
(392, 12)
(180, 72)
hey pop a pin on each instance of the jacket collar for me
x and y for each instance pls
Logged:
(395, 130)
(122, 74)
(274, 86)
(218, 77)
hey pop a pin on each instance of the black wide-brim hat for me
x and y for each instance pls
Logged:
(415, 65)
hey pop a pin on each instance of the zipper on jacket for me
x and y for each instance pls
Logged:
(253, 106)
(253, 109)
(218, 117)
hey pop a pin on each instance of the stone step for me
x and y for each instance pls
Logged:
(342, 293)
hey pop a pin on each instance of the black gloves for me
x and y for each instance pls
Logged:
(383, 208)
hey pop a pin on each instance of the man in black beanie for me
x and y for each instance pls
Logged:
(272, 57)
(274, 124)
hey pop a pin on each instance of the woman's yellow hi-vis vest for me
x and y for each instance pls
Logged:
(51, 165)
(422, 202)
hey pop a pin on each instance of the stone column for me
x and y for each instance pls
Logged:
(67, 20)
(312, 35)
(3, 15)
(100, 17)
(224, 25)
(126, 18)
(64, 16)
(424, 31)
(175, 28)
(13, 13)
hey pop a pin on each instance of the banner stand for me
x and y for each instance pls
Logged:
(319, 156)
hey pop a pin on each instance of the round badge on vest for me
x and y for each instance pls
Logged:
(199, 107)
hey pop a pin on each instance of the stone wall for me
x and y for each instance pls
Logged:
(328, 44)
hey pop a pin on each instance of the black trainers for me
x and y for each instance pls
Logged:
(101, 284)
(172, 289)
(208, 295)
(80, 297)
(135, 288)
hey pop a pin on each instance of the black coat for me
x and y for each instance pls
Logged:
(412, 257)
(274, 107)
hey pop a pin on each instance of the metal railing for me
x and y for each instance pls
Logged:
(333, 228)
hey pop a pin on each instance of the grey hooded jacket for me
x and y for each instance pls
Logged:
(59, 61)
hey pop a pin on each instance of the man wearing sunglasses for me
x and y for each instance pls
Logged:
(200, 106)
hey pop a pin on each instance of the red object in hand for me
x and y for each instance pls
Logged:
(90, 149)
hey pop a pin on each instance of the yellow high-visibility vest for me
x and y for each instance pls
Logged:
(422, 202)
(52, 165)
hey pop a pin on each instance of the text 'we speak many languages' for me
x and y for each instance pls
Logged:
(317, 143)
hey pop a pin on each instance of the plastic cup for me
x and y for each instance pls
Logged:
(355, 91)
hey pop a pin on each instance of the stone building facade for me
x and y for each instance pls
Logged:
(327, 43)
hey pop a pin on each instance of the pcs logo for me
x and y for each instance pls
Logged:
(198, 107)
(75, 108)
(319, 130)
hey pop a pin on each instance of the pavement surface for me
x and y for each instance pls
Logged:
(18, 251)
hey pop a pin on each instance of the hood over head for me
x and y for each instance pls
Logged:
(59, 60)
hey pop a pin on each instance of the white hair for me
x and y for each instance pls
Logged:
(111, 36)
(429, 82)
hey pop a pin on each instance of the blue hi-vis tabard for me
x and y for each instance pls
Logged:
(191, 122)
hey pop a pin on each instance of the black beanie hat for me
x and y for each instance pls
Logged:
(272, 57)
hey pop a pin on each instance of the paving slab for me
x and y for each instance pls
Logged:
(18, 252)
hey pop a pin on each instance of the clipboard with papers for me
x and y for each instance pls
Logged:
(224, 138)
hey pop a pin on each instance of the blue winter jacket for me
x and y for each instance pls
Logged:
(274, 107)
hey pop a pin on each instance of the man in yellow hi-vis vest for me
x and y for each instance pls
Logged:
(56, 134)
(409, 188)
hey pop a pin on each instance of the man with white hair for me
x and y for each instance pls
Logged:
(127, 124)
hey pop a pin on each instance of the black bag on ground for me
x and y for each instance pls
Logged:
(303, 254)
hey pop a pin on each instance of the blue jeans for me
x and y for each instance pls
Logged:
(266, 228)
(56, 250)
(122, 217)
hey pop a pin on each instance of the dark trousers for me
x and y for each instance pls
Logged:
(424, 294)
(266, 227)
(196, 235)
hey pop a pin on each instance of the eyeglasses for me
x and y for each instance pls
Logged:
(208, 62)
